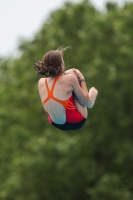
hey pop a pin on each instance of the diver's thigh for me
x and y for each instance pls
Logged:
(83, 110)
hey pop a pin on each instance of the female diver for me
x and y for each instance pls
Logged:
(64, 94)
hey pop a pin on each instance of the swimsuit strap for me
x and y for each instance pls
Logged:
(50, 91)
(68, 103)
(51, 96)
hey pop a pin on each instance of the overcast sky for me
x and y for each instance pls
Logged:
(23, 18)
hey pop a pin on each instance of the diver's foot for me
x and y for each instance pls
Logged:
(92, 95)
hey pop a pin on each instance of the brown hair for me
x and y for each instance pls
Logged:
(51, 63)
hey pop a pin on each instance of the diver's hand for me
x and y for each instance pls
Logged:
(78, 73)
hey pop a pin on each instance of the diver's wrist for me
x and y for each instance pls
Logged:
(81, 80)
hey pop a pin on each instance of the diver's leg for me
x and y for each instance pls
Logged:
(92, 92)
(79, 107)
(82, 109)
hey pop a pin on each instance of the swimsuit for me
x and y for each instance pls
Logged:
(74, 119)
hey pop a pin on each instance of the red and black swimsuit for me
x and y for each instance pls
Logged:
(74, 119)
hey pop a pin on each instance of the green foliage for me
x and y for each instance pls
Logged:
(40, 162)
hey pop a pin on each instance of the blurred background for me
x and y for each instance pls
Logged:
(37, 161)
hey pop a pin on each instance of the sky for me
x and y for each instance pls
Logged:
(23, 18)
